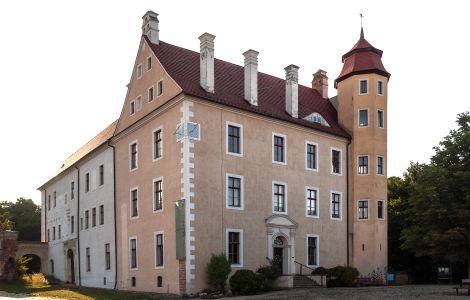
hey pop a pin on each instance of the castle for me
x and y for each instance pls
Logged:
(210, 157)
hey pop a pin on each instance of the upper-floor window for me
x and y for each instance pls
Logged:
(101, 214)
(380, 165)
(48, 235)
(363, 209)
(87, 182)
(234, 191)
(335, 205)
(363, 165)
(133, 155)
(150, 94)
(107, 256)
(157, 144)
(336, 161)
(311, 158)
(159, 250)
(93, 217)
(101, 174)
(86, 218)
(380, 209)
(363, 118)
(139, 71)
(88, 260)
(132, 107)
(49, 202)
(312, 250)
(60, 231)
(134, 204)
(312, 202)
(138, 103)
(55, 199)
(159, 88)
(317, 118)
(149, 63)
(235, 246)
(72, 190)
(72, 224)
(363, 87)
(279, 149)
(380, 118)
(158, 194)
(380, 87)
(53, 233)
(279, 198)
(234, 139)
(133, 254)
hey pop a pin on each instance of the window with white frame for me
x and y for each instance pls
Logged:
(363, 164)
(160, 88)
(380, 209)
(107, 256)
(132, 107)
(139, 71)
(133, 252)
(336, 161)
(234, 191)
(279, 148)
(138, 103)
(159, 250)
(234, 247)
(380, 87)
(279, 198)
(157, 144)
(158, 194)
(150, 94)
(363, 209)
(335, 205)
(134, 203)
(363, 87)
(133, 155)
(380, 165)
(311, 156)
(380, 118)
(363, 117)
(234, 139)
(312, 202)
(149, 63)
(312, 250)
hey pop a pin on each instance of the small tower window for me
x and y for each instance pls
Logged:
(363, 165)
(363, 118)
(380, 119)
(363, 87)
(380, 87)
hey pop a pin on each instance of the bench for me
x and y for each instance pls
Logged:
(465, 285)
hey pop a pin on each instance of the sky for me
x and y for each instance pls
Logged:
(64, 66)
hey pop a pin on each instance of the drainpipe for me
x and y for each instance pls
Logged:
(45, 222)
(347, 202)
(78, 226)
(114, 202)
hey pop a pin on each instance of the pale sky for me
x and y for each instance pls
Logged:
(64, 66)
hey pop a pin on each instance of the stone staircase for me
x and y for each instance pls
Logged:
(303, 282)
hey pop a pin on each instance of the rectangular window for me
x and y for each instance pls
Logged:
(134, 203)
(312, 201)
(72, 224)
(160, 88)
(86, 219)
(149, 63)
(158, 195)
(279, 198)
(72, 190)
(60, 232)
(132, 107)
(311, 159)
(55, 199)
(133, 246)
(363, 88)
(380, 87)
(150, 94)
(335, 205)
(48, 235)
(336, 161)
(53, 233)
(49, 202)
(138, 103)
(107, 256)
(380, 165)
(235, 246)
(93, 217)
(363, 209)
(52, 266)
(133, 160)
(157, 144)
(380, 119)
(312, 250)
(88, 260)
(101, 174)
(363, 118)
(234, 145)
(101, 214)
(363, 165)
(87, 182)
(278, 149)
(81, 223)
(159, 250)
(234, 191)
(139, 71)
(380, 209)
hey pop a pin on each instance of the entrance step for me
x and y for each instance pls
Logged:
(303, 282)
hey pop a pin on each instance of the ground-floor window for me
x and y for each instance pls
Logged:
(312, 250)
(235, 246)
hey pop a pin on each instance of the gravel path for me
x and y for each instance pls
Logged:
(5, 295)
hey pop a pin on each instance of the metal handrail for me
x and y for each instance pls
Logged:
(302, 265)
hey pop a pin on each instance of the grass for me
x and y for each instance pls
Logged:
(41, 288)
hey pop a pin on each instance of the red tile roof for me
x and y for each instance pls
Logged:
(362, 58)
(183, 66)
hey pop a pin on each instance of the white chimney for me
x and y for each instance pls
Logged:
(292, 90)
(150, 26)
(207, 62)
(251, 76)
(320, 83)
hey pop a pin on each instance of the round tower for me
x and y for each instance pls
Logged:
(362, 110)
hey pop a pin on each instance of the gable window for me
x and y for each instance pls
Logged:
(132, 107)
(133, 248)
(101, 174)
(235, 246)
(335, 205)
(363, 165)
(157, 144)
(312, 202)
(380, 87)
(88, 260)
(380, 118)
(107, 256)
(49, 202)
(363, 87)
(72, 190)
(138, 104)
(93, 217)
(139, 71)
(159, 250)
(380, 165)
(336, 161)
(312, 250)
(234, 139)
(150, 94)
(234, 191)
(380, 209)
(160, 88)
(133, 156)
(363, 209)
(158, 194)
(279, 148)
(87, 182)
(101, 214)
(363, 118)
(86, 218)
(134, 203)
(149, 63)
(279, 198)
(311, 159)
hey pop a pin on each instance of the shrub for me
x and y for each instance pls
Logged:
(246, 282)
(218, 270)
(271, 272)
(342, 276)
(320, 271)
(22, 265)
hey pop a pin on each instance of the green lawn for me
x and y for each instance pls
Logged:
(74, 293)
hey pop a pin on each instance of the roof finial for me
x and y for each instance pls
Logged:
(362, 31)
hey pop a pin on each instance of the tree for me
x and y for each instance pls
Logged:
(439, 212)
(5, 222)
(217, 271)
(26, 218)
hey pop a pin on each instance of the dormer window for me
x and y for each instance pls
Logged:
(317, 118)
(363, 87)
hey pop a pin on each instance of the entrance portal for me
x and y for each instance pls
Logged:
(34, 265)
(70, 266)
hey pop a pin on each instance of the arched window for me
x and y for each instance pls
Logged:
(159, 281)
(317, 118)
